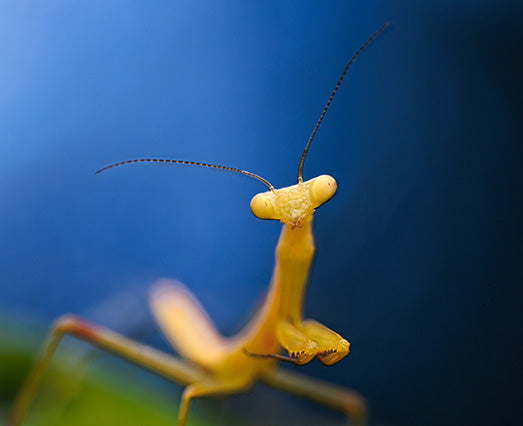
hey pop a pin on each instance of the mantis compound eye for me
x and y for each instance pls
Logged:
(323, 189)
(262, 207)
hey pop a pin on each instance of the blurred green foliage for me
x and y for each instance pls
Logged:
(74, 393)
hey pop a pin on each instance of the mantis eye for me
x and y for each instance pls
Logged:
(262, 207)
(323, 189)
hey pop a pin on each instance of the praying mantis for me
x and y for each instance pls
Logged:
(212, 364)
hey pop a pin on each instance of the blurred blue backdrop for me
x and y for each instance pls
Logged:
(419, 253)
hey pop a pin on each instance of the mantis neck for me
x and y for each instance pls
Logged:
(294, 254)
(285, 297)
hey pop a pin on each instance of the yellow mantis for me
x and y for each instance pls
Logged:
(212, 364)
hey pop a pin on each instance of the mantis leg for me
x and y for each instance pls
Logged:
(345, 400)
(142, 355)
(300, 347)
(207, 388)
(332, 347)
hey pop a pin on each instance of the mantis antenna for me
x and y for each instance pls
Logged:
(361, 49)
(191, 163)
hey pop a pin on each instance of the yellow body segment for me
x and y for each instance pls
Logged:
(186, 324)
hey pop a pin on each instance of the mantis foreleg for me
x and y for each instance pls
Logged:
(307, 340)
(332, 347)
(300, 347)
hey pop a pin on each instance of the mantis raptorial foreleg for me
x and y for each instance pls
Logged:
(332, 347)
(301, 348)
(307, 340)
(142, 355)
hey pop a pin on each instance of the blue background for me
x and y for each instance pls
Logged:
(419, 253)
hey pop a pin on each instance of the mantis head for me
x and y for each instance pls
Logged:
(294, 204)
